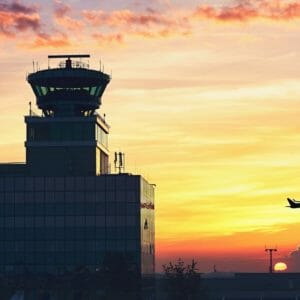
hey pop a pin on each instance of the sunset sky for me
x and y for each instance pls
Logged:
(205, 102)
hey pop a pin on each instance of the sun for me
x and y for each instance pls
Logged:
(280, 267)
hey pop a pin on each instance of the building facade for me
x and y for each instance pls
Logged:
(62, 209)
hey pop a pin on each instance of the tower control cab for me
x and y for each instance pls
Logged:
(70, 138)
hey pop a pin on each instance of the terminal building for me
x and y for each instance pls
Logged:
(63, 209)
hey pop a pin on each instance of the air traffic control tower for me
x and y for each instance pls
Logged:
(62, 208)
(70, 138)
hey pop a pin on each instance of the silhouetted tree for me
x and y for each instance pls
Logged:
(182, 281)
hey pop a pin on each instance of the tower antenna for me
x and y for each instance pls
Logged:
(271, 250)
(119, 162)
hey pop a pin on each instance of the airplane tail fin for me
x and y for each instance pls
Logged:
(291, 202)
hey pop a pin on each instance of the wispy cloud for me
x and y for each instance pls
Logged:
(17, 7)
(116, 26)
(16, 17)
(61, 9)
(152, 23)
(147, 24)
(62, 16)
(44, 40)
(108, 39)
(251, 10)
(127, 18)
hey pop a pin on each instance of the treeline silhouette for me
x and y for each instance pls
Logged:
(117, 278)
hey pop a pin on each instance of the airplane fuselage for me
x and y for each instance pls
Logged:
(293, 203)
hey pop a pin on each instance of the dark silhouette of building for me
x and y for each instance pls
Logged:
(62, 209)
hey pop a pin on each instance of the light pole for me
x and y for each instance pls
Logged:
(271, 250)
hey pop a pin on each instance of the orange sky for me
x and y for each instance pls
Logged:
(204, 101)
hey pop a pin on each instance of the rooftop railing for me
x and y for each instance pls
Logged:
(74, 65)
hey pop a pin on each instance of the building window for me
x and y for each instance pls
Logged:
(146, 224)
(98, 163)
(93, 90)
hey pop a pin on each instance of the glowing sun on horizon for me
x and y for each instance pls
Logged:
(280, 267)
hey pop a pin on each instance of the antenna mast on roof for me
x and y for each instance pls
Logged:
(119, 162)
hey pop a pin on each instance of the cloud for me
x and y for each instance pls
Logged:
(44, 40)
(107, 39)
(164, 33)
(27, 22)
(250, 10)
(150, 19)
(61, 16)
(118, 25)
(126, 18)
(129, 18)
(61, 9)
(17, 7)
(94, 17)
(16, 17)
(148, 24)
(294, 260)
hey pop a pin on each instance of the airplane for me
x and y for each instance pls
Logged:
(293, 203)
